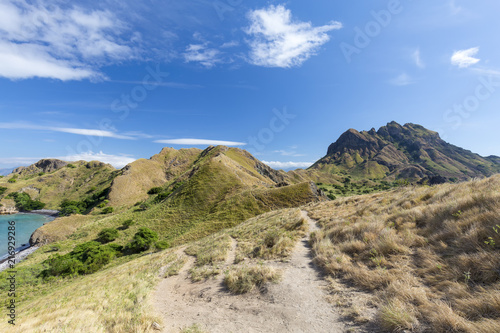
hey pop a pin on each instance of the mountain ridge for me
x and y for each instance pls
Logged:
(410, 151)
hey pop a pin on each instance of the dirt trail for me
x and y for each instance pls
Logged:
(296, 304)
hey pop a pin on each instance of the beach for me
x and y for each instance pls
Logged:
(21, 253)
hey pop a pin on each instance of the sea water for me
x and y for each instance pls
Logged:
(26, 224)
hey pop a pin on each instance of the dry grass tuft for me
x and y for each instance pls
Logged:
(430, 254)
(240, 280)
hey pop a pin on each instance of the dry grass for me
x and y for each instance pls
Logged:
(210, 253)
(269, 236)
(242, 279)
(175, 266)
(424, 252)
(112, 300)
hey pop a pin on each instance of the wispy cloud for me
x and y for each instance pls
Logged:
(465, 58)
(418, 59)
(78, 131)
(402, 80)
(200, 142)
(287, 165)
(202, 54)
(288, 153)
(277, 41)
(454, 8)
(230, 44)
(160, 84)
(41, 39)
(487, 71)
(118, 161)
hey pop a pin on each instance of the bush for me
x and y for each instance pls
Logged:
(2, 190)
(331, 196)
(107, 210)
(162, 196)
(85, 258)
(71, 166)
(155, 190)
(128, 223)
(162, 245)
(143, 239)
(107, 235)
(86, 204)
(69, 210)
(24, 202)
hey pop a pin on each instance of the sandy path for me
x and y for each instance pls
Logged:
(296, 304)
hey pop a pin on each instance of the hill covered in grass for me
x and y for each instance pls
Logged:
(51, 181)
(409, 152)
(427, 259)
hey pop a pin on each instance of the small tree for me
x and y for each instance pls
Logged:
(155, 190)
(107, 235)
(107, 210)
(143, 239)
(69, 210)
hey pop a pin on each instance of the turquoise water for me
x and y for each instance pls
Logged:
(26, 224)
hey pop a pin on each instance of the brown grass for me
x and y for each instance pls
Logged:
(421, 251)
(242, 279)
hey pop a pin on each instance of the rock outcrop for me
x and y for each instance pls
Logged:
(410, 152)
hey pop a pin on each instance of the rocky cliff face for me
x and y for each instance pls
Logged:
(44, 165)
(410, 151)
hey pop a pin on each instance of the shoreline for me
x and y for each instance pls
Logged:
(19, 256)
(26, 249)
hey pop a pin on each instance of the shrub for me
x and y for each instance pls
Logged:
(155, 190)
(162, 245)
(2, 190)
(107, 235)
(128, 223)
(143, 239)
(85, 258)
(331, 196)
(69, 210)
(107, 210)
(71, 166)
(162, 196)
(24, 202)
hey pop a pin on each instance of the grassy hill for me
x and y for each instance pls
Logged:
(424, 258)
(59, 181)
(427, 257)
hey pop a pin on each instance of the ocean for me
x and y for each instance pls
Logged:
(26, 224)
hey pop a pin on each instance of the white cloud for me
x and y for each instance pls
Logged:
(40, 39)
(288, 165)
(201, 142)
(454, 8)
(402, 80)
(288, 152)
(417, 59)
(78, 131)
(201, 53)
(230, 44)
(465, 58)
(118, 161)
(278, 41)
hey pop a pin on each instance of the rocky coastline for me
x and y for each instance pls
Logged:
(8, 210)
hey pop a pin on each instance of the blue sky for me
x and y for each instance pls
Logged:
(118, 80)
